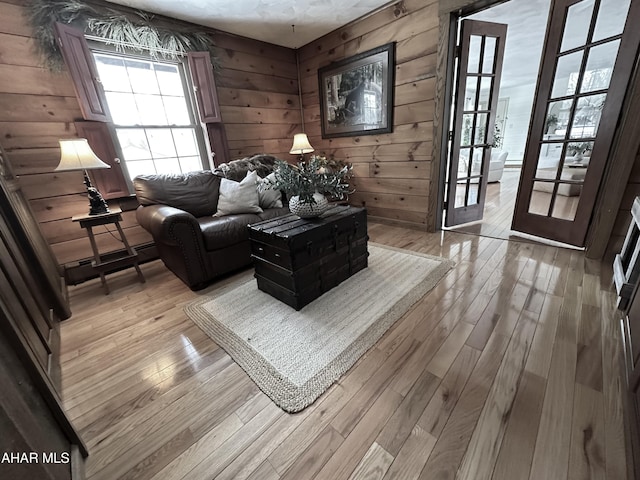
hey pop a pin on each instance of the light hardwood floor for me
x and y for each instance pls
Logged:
(500, 204)
(498, 208)
(511, 368)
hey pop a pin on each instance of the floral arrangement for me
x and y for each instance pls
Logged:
(316, 175)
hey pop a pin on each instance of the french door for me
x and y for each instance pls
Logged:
(476, 100)
(588, 57)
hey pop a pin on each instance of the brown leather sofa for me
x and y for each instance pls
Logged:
(177, 210)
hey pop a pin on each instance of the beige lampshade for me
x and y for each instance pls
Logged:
(300, 145)
(76, 154)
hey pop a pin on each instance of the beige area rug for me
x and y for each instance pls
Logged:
(294, 356)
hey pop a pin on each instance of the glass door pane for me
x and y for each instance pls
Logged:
(574, 117)
(478, 76)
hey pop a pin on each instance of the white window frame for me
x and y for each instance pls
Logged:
(195, 123)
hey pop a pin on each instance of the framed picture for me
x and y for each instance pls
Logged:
(356, 94)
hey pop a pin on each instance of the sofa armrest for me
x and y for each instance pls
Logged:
(161, 221)
(179, 241)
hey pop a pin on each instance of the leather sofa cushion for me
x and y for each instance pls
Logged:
(222, 232)
(195, 192)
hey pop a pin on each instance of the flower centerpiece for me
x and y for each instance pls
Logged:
(307, 184)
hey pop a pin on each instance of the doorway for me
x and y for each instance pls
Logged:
(525, 22)
(561, 147)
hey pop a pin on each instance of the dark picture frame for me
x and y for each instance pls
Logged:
(356, 94)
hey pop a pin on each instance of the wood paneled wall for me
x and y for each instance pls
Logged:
(258, 94)
(392, 171)
(623, 217)
(257, 87)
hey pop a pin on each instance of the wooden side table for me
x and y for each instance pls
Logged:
(104, 263)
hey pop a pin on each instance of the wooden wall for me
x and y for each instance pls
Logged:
(392, 171)
(396, 174)
(623, 217)
(258, 95)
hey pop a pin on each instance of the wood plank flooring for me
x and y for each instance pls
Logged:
(500, 204)
(498, 208)
(510, 368)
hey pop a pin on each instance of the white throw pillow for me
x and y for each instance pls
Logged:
(238, 197)
(269, 197)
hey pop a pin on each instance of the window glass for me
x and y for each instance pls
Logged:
(134, 144)
(566, 77)
(467, 130)
(151, 109)
(587, 117)
(489, 54)
(146, 97)
(597, 74)
(475, 44)
(169, 80)
(481, 128)
(611, 18)
(577, 25)
(557, 118)
(185, 141)
(485, 91)
(142, 76)
(177, 111)
(123, 108)
(190, 164)
(140, 167)
(471, 88)
(168, 165)
(161, 143)
(110, 71)
(463, 163)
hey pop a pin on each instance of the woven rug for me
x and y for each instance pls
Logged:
(294, 356)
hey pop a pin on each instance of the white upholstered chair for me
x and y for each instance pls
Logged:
(496, 165)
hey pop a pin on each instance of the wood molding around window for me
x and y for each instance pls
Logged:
(92, 100)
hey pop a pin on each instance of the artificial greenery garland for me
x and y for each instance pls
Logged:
(112, 25)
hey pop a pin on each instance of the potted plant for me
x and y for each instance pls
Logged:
(579, 150)
(551, 123)
(497, 136)
(307, 184)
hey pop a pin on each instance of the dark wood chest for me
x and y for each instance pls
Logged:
(296, 260)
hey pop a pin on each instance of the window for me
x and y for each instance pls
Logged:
(166, 144)
(152, 115)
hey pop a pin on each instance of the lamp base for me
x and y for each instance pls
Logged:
(99, 207)
(97, 204)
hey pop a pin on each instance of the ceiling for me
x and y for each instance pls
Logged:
(267, 20)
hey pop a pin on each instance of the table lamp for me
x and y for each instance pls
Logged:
(300, 145)
(76, 154)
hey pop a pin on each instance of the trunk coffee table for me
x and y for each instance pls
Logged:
(296, 260)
